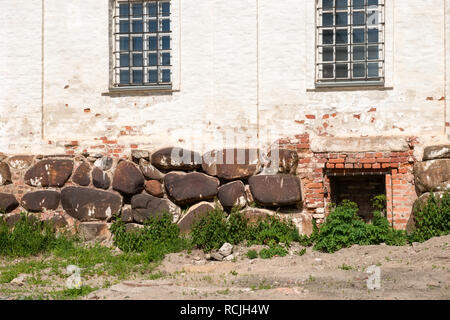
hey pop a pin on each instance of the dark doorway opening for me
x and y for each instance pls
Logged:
(360, 189)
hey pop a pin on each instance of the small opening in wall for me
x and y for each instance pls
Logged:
(360, 189)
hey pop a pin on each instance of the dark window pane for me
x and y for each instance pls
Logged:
(341, 4)
(166, 59)
(152, 9)
(124, 60)
(165, 9)
(124, 76)
(341, 70)
(137, 76)
(137, 10)
(152, 26)
(373, 70)
(152, 59)
(373, 35)
(373, 53)
(124, 26)
(165, 43)
(341, 53)
(166, 75)
(152, 43)
(137, 43)
(341, 36)
(124, 43)
(358, 36)
(137, 59)
(358, 18)
(359, 53)
(165, 25)
(327, 37)
(153, 76)
(327, 19)
(358, 4)
(137, 26)
(373, 2)
(328, 71)
(359, 70)
(328, 54)
(124, 10)
(327, 4)
(341, 18)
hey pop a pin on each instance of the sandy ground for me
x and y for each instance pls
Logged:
(420, 271)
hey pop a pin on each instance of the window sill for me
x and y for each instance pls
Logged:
(339, 86)
(166, 89)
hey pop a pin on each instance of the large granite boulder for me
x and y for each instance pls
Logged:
(7, 202)
(194, 213)
(128, 179)
(418, 205)
(39, 201)
(231, 164)
(85, 204)
(187, 188)
(96, 230)
(5, 174)
(432, 175)
(100, 179)
(275, 190)
(282, 161)
(149, 171)
(176, 159)
(253, 215)
(82, 175)
(436, 152)
(145, 206)
(232, 194)
(20, 162)
(49, 173)
(154, 188)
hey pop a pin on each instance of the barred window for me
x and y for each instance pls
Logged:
(350, 42)
(142, 49)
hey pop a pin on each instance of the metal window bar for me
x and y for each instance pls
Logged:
(327, 71)
(145, 34)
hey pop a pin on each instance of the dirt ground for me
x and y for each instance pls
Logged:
(420, 271)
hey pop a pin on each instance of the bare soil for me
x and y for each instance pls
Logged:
(418, 271)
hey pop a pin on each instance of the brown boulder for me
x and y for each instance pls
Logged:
(39, 201)
(187, 188)
(20, 162)
(433, 175)
(194, 213)
(49, 173)
(5, 174)
(278, 190)
(89, 231)
(82, 175)
(128, 179)
(7, 202)
(100, 179)
(145, 206)
(436, 152)
(154, 188)
(232, 195)
(149, 171)
(127, 214)
(85, 204)
(176, 159)
(418, 205)
(137, 155)
(283, 161)
(253, 215)
(231, 164)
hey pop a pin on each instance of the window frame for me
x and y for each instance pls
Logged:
(383, 47)
(114, 52)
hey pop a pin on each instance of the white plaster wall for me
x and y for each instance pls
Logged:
(245, 70)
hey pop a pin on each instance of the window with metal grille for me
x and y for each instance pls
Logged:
(142, 49)
(350, 42)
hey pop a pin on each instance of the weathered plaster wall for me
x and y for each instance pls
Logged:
(246, 69)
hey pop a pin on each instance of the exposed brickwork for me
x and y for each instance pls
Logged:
(313, 169)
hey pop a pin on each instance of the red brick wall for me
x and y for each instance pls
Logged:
(313, 169)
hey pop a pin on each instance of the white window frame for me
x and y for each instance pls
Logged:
(175, 51)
